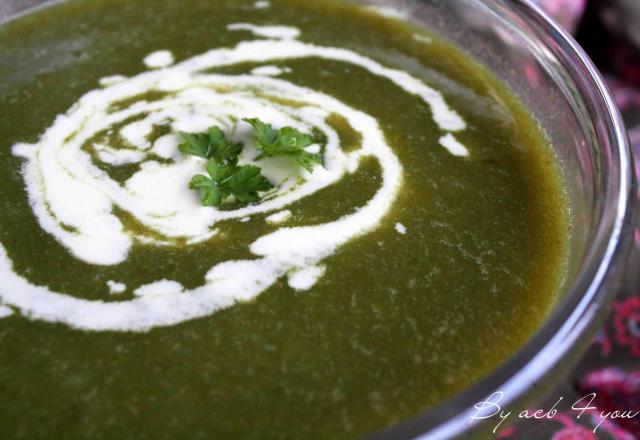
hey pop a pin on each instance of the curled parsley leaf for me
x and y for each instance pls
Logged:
(210, 145)
(286, 142)
(224, 180)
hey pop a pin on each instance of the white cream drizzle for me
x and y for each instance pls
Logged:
(276, 32)
(5, 312)
(158, 59)
(270, 70)
(279, 217)
(116, 288)
(306, 278)
(454, 146)
(73, 199)
(262, 4)
(111, 80)
(401, 229)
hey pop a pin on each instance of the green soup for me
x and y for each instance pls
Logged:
(426, 249)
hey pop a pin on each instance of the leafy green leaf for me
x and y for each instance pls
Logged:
(211, 194)
(287, 142)
(224, 180)
(246, 182)
(265, 134)
(195, 144)
(210, 145)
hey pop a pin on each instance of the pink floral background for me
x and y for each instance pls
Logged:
(609, 30)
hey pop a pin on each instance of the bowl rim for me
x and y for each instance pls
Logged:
(569, 328)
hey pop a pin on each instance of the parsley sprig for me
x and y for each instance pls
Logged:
(210, 145)
(226, 178)
(287, 142)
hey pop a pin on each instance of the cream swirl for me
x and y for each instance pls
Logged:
(77, 202)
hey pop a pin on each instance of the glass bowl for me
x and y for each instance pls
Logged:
(554, 78)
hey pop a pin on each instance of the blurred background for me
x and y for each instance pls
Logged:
(609, 31)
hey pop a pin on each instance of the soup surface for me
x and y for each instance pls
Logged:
(426, 249)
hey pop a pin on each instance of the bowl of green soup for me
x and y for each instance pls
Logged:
(286, 219)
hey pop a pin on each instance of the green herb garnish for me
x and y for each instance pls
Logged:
(286, 142)
(224, 180)
(210, 145)
(244, 182)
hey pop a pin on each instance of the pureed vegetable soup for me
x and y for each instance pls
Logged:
(425, 246)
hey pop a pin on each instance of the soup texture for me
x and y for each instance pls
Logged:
(424, 250)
